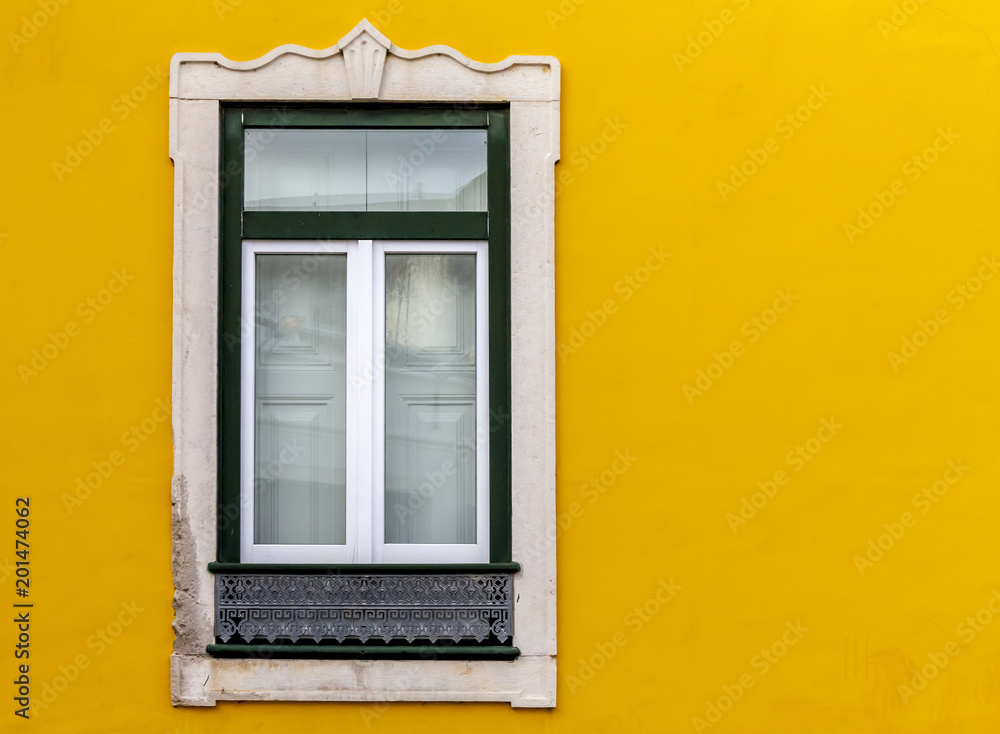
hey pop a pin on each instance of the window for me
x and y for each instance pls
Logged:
(363, 375)
(404, 479)
(355, 373)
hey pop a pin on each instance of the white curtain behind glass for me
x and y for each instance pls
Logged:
(430, 398)
(300, 410)
(365, 170)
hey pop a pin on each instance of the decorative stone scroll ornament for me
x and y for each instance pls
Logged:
(363, 66)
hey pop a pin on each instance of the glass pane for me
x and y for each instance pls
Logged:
(300, 474)
(427, 170)
(430, 398)
(365, 170)
(305, 170)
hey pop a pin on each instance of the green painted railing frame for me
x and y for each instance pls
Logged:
(368, 569)
(391, 652)
(235, 224)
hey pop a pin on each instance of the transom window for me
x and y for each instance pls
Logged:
(366, 170)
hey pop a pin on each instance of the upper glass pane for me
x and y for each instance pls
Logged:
(436, 170)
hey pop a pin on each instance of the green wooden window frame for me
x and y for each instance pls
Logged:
(236, 225)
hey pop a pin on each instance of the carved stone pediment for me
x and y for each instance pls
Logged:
(364, 65)
(364, 50)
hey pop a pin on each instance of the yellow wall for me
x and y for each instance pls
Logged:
(673, 127)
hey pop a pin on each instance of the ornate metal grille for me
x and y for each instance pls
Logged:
(459, 607)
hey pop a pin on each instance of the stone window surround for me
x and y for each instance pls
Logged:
(364, 65)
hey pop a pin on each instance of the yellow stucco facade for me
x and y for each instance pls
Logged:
(777, 394)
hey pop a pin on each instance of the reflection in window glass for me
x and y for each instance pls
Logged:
(365, 170)
(430, 398)
(300, 475)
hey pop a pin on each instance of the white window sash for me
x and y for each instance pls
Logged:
(365, 408)
(479, 552)
(251, 552)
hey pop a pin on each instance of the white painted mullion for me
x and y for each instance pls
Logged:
(368, 371)
(355, 407)
(378, 405)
